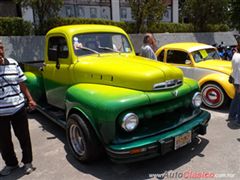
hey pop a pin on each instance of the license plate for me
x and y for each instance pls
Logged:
(183, 140)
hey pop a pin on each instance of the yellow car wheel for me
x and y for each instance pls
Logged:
(213, 96)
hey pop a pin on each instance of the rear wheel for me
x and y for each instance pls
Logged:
(82, 140)
(213, 96)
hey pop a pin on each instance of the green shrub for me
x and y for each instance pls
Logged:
(178, 27)
(14, 26)
(217, 28)
(55, 22)
(170, 27)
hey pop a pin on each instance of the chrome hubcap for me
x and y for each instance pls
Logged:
(77, 139)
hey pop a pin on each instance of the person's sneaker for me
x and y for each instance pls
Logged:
(28, 168)
(7, 170)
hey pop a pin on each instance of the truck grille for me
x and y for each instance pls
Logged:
(171, 114)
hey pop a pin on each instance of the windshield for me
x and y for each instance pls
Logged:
(85, 44)
(205, 54)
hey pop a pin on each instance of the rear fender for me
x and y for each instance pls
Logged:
(35, 85)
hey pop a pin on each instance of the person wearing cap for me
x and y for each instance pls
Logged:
(13, 114)
(149, 47)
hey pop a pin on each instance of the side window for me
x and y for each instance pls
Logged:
(177, 57)
(57, 45)
(161, 56)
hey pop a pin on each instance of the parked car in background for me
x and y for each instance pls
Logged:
(202, 63)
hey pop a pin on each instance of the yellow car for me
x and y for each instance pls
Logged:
(201, 62)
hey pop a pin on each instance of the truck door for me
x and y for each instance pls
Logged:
(56, 72)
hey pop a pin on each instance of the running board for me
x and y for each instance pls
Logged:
(55, 115)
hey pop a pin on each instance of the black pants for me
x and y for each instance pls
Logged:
(19, 122)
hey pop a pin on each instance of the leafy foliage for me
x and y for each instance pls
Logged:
(160, 27)
(14, 26)
(235, 13)
(164, 27)
(55, 22)
(201, 14)
(146, 12)
(43, 9)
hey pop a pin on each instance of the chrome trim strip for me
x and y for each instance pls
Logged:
(167, 84)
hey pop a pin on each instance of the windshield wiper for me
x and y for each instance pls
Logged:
(89, 49)
(108, 48)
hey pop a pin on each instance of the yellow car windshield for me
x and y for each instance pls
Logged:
(205, 54)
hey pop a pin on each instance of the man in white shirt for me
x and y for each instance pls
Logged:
(234, 111)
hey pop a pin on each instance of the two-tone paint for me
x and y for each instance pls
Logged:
(211, 74)
(95, 92)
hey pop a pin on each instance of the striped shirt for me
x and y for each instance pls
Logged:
(11, 97)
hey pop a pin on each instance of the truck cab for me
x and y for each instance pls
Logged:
(110, 100)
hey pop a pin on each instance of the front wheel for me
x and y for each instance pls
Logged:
(82, 140)
(213, 96)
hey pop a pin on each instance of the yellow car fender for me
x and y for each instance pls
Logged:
(222, 80)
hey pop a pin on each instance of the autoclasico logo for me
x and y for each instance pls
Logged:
(190, 175)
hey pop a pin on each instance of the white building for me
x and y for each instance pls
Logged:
(116, 10)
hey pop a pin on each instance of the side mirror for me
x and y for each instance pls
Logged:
(57, 64)
(188, 62)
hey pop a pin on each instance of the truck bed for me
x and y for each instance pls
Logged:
(28, 66)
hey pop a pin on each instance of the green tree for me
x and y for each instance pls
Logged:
(43, 9)
(203, 13)
(235, 13)
(146, 12)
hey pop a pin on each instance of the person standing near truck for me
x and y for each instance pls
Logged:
(13, 114)
(149, 46)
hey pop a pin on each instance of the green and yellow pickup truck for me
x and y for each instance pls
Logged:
(110, 100)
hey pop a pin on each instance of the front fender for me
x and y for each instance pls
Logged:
(222, 80)
(102, 104)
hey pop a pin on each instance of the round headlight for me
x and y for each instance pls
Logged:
(197, 99)
(129, 122)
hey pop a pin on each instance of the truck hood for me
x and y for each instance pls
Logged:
(216, 65)
(127, 71)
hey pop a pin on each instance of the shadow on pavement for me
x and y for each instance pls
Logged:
(16, 174)
(224, 109)
(105, 169)
(232, 126)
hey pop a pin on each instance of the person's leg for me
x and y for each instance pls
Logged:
(6, 144)
(233, 107)
(21, 130)
(238, 106)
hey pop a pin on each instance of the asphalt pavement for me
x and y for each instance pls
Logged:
(213, 156)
